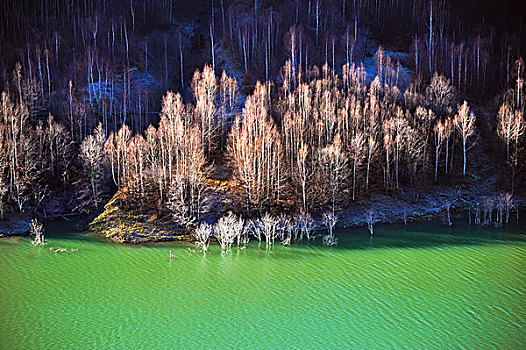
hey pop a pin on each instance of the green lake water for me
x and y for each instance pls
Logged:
(420, 287)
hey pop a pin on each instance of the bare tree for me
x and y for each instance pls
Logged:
(449, 128)
(505, 125)
(465, 123)
(3, 192)
(177, 203)
(255, 152)
(303, 172)
(202, 236)
(227, 229)
(204, 85)
(212, 48)
(305, 224)
(508, 204)
(371, 220)
(18, 147)
(519, 125)
(92, 155)
(291, 43)
(330, 221)
(439, 94)
(372, 146)
(37, 231)
(317, 15)
(269, 228)
(510, 128)
(357, 155)
(285, 228)
(224, 233)
(446, 219)
(439, 138)
(430, 45)
(334, 162)
(253, 229)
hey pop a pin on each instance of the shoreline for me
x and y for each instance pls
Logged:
(141, 228)
(431, 205)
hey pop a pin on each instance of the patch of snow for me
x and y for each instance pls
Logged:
(140, 83)
(404, 78)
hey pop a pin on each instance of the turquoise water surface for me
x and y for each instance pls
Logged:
(420, 287)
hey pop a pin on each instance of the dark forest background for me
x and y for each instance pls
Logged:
(77, 70)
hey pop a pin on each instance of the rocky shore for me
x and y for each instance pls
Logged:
(428, 206)
(447, 204)
(124, 226)
(14, 226)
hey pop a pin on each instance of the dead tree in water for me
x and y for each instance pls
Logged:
(502, 205)
(285, 228)
(269, 228)
(37, 230)
(371, 220)
(330, 221)
(487, 207)
(202, 236)
(223, 237)
(254, 229)
(238, 229)
(305, 225)
(447, 208)
(447, 216)
(508, 205)
(226, 230)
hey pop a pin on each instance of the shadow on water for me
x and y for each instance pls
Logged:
(429, 234)
(66, 230)
(417, 235)
(413, 235)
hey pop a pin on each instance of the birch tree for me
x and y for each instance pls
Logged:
(439, 130)
(202, 236)
(269, 228)
(356, 153)
(255, 152)
(439, 94)
(330, 220)
(227, 229)
(36, 229)
(464, 122)
(510, 128)
(334, 163)
(371, 150)
(92, 156)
